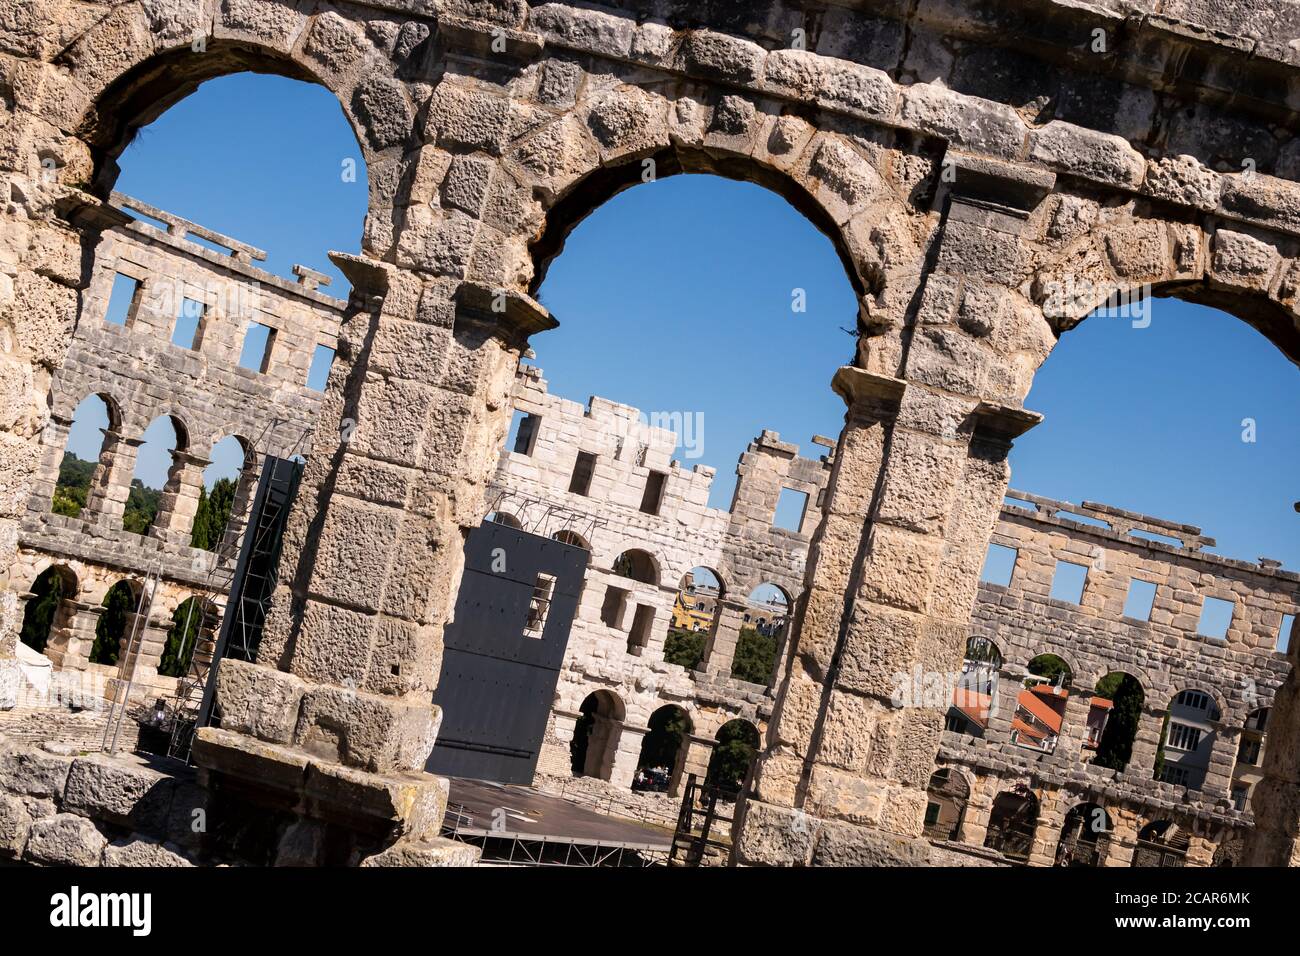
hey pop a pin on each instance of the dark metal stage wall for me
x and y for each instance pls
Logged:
(498, 674)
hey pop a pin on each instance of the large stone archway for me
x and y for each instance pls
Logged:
(980, 209)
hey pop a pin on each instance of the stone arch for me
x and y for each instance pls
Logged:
(1189, 737)
(662, 760)
(764, 634)
(504, 518)
(1012, 820)
(596, 735)
(572, 538)
(1085, 836)
(121, 604)
(1110, 732)
(50, 608)
(193, 631)
(1162, 843)
(948, 793)
(636, 564)
(735, 745)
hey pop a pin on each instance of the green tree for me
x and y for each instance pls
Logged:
(735, 749)
(1049, 667)
(141, 507)
(38, 618)
(187, 626)
(684, 648)
(73, 485)
(1116, 746)
(213, 514)
(668, 729)
(755, 656)
(118, 603)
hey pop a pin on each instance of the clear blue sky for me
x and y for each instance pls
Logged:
(676, 297)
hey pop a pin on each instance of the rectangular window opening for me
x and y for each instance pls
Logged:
(1284, 633)
(522, 437)
(611, 611)
(638, 637)
(1141, 598)
(790, 510)
(583, 469)
(188, 331)
(538, 605)
(1216, 618)
(322, 360)
(999, 564)
(1068, 582)
(653, 495)
(258, 342)
(123, 300)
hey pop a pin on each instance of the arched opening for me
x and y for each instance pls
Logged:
(193, 631)
(596, 735)
(1012, 821)
(735, 745)
(663, 750)
(1113, 720)
(972, 698)
(572, 538)
(158, 468)
(947, 795)
(1085, 836)
(696, 609)
(1187, 741)
(1249, 767)
(1162, 843)
(637, 565)
(509, 520)
(93, 437)
(1040, 708)
(49, 608)
(762, 635)
(121, 604)
(225, 493)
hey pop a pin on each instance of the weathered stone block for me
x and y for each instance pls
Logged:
(140, 852)
(258, 700)
(120, 790)
(64, 839)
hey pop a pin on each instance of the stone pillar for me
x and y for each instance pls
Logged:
(1123, 839)
(1007, 686)
(242, 503)
(1275, 800)
(1223, 758)
(693, 757)
(54, 444)
(110, 485)
(919, 476)
(723, 637)
(1074, 727)
(1146, 744)
(974, 826)
(150, 640)
(70, 644)
(179, 502)
(1200, 850)
(1047, 829)
(626, 753)
(334, 718)
(602, 747)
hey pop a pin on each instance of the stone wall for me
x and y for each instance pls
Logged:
(623, 657)
(1165, 653)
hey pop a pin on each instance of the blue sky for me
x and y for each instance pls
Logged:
(676, 296)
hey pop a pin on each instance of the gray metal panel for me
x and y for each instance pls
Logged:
(497, 685)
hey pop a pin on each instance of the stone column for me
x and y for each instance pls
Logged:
(335, 717)
(723, 637)
(242, 503)
(54, 444)
(693, 757)
(1146, 744)
(179, 502)
(1123, 839)
(70, 644)
(1223, 757)
(110, 485)
(918, 481)
(1047, 830)
(1009, 683)
(974, 826)
(1074, 727)
(626, 753)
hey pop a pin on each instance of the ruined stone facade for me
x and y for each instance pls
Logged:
(988, 173)
(640, 499)
(1104, 633)
(142, 374)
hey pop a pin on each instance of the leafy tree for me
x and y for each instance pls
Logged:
(118, 603)
(187, 626)
(668, 729)
(737, 744)
(213, 514)
(141, 507)
(73, 485)
(1116, 746)
(684, 648)
(755, 656)
(1049, 667)
(38, 618)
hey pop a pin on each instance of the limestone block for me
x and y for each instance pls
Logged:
(1184, 180)
(967, 121)
(433, 852)
(64, 839)
(141, 852)
(840, 84)
(715, 56)
(15, 823)
(589, 30)
(366, 730)
(468, 118)
(35, 773)
(776, 836)
(1243, 261)
(1101, 157)
(845, 844)
(258, 700)
(384, 110)
(120, 790)
(266, 22)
